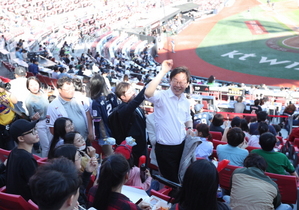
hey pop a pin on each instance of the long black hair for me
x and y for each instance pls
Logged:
(98, 87)
(113, 172)
(199, 187)
(59, 131)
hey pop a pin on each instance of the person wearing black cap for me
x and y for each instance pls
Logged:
(21, 164)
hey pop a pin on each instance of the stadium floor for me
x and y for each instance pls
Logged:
(191, 50)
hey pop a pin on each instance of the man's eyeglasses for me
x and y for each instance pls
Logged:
(33, 131)
(179, 83)
(68, 89)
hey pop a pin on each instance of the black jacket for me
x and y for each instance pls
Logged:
(134, 124)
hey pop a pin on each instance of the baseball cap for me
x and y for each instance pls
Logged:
(124, 149)
(21, 126)
(198, 107)
(20, 71)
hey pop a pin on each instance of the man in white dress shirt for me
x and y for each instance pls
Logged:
(172, 118)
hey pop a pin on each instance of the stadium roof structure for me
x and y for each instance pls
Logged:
(187, 7)
(142, 21)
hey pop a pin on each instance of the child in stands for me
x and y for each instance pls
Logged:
(205, 149)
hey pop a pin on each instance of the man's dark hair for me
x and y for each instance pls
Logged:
(267, 141)
(239, 99)
(63, 80)
(182, 69)
(255, 160)
(54, 182)
(235, 136)
(263, 128)
(256, 102)
(236, 122)
(261, 116)
(55, 68)
(61, 69)
(217, 120)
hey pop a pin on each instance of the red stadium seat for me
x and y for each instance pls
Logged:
(163, 194)
(41, 78)
(32, 205)
(225, 176)
(250, 148)
(217, 142)
(3, 154)
(30, 74)
(216, 135)
(42, 161)
(3, 189)
(10, 201)
(287, 187)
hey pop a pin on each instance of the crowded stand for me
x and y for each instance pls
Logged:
(90, 103)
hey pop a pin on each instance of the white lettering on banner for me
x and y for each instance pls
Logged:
(272, 61)
(231, 54)
(243, 57)
(292, 65)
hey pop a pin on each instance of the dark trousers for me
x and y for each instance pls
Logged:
(168, 158)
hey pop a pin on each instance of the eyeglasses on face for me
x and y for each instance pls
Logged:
(176, 82)
(33, 131)
(68, 89)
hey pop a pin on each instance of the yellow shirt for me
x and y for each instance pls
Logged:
(6, 115)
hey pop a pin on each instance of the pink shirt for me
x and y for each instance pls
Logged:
(134, 179)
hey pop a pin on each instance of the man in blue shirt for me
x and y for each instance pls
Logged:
(261, 117)
(34, 67)
(18, 53)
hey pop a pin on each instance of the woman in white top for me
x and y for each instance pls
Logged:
(37, 105)
(255, 139)
(205, 149)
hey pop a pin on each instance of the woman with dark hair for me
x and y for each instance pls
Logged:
(256, 107)
(217, 121)
(103, 102)
(211, 80)
(62, 126)
(70, 152)
(254, 140)
(78, 141)
(114, 172)
(236, 122)
(199, 188)
(205, 149)
(245, 128)
(37, 106)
